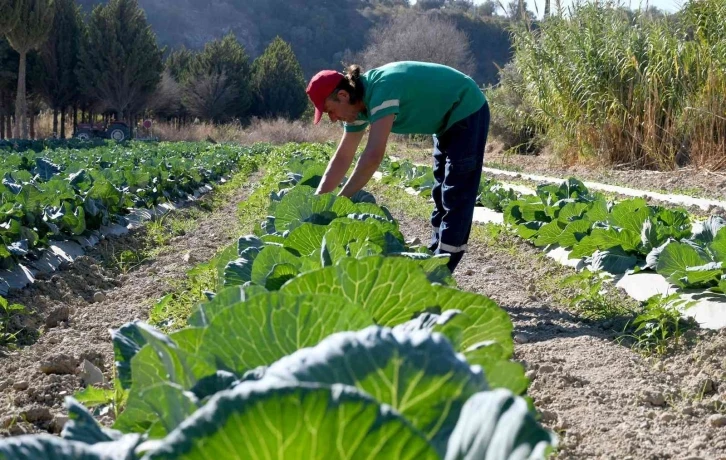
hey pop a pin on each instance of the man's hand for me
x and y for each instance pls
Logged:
(371, 157)
(340, 162)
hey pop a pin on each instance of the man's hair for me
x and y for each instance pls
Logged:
(351, 84)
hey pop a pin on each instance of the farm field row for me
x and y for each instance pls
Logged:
(62, 335)
(67, 194)
(314, 256)
(608, 390)
(275, 258)
(701, 205)
(615, 237)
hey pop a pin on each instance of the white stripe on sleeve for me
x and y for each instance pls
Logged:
(385, 105)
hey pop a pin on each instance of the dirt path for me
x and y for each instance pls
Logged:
(604, 400)
(75, 319)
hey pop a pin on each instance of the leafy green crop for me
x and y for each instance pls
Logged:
(374, 393)
(420, 178)
(613, 237)
(618, 237)
(329, 339)
(64, 193)
(24, 145)
(305, 232)
(494, 195)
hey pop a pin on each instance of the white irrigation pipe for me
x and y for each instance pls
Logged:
(683, 200)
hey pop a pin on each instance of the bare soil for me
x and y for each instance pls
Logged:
(74, 309)
(604, 400)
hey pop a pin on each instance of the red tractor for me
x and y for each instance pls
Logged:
(116, 130)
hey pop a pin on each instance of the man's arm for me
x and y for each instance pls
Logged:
(340, 162)
(371, 157)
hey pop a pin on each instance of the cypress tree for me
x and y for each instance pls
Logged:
(120, 62)
(178, 63)
(278, 82)
(221, 70)
(58, 58)
(35, 18)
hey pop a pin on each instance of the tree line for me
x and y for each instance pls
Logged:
(323, 32)
(109, 63)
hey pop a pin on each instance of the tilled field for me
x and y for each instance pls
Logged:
(603, 399)
(77, 306)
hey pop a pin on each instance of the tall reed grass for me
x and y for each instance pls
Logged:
(632, 89)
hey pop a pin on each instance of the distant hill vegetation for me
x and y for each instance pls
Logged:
(322, 33)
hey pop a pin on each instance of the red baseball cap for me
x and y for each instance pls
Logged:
(320, 87)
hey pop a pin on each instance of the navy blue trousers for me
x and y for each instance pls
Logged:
(458, 160)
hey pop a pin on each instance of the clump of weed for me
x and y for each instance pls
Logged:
(128, 260)
(160, 232)
(108, 398)
(8, 334)
(593, 298)
(660, 327)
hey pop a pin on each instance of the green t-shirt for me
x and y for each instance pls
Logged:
(425, 98)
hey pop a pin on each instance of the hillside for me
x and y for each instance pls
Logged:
(319, 31)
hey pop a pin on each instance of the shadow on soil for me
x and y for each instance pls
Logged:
(542, 323)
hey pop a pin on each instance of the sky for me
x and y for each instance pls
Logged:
(670, 6)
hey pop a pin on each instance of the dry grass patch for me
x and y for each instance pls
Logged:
(279, 131)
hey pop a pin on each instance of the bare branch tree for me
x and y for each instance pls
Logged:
(209, 96)
(412, 36)
(166, 100)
